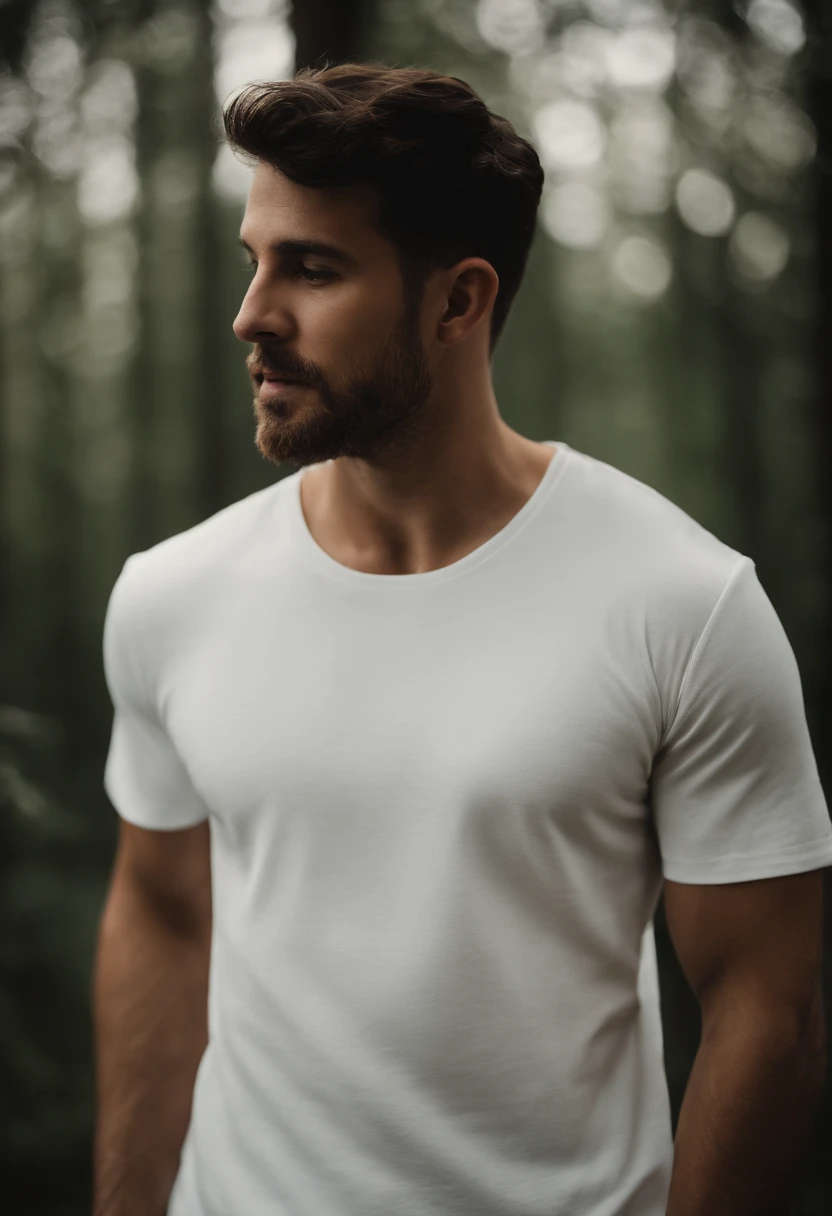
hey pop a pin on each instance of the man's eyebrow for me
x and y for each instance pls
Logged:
(300, 248)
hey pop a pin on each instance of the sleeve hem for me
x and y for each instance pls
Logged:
(141, 821)
(744, 867)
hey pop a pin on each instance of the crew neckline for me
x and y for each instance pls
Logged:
(327, 565)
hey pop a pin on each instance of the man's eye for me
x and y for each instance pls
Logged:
(317, 276)
(312, 276)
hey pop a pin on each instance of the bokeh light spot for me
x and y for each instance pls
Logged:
(705, 202)
(569, 134)
(777, 23)
(642, 266)
(575, 214)
(759, 247)
(641, 58)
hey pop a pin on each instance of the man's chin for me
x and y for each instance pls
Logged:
(280, 442)
(282, 453)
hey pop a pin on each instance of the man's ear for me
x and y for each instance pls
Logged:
(470, 299)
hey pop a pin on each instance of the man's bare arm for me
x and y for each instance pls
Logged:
(150, 992)
(752, 954)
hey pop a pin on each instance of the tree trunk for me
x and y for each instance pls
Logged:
(335, 30)
(819, 102)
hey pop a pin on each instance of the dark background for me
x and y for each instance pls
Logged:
(673, 321)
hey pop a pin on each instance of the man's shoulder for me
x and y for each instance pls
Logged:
(165, 590)
(653, 552)
(208, 549)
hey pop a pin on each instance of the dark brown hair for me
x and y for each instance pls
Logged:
(452, 179)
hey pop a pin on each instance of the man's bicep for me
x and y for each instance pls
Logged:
(169, 870)
(751, 949)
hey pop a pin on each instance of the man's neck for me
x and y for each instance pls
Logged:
(435, 519)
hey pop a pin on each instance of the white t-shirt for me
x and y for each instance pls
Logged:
(441, 808)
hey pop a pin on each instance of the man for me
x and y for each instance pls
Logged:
(456, 705)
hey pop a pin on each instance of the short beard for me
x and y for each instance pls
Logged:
(379, 414)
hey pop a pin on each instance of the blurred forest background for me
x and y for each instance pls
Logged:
(674, 321)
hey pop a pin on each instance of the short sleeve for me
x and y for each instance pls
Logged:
(734, 790)
(144, 777)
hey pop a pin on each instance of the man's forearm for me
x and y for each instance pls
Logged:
(150, 993)
(745, 1120)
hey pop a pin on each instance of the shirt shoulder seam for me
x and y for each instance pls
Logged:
(700, 643)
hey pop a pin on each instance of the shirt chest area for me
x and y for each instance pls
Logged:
(304, 717)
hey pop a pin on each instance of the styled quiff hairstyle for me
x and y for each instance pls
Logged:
(451, 179)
